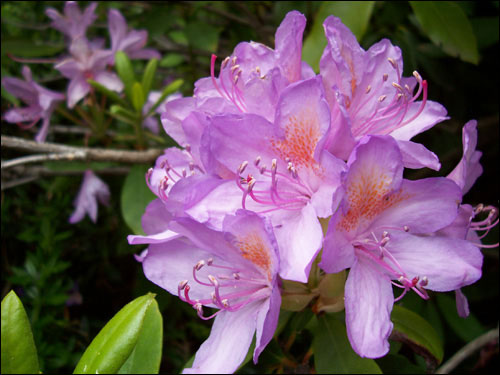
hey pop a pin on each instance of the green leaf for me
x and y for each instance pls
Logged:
(137, 97)
(107, 92)
(446, 25)
(415, 331)
(113, 345)
(125, 71)
(170, 89)
(486, 30)
(354, 14)
(28, 49)
(466, 328)
(333, 353)
(18, 347)
(202, 36)
(146, 356)
(135, 197)
(171, 60)
(148, 76)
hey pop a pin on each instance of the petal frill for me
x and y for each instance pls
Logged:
(368, 305)
(175, 112)
(417, 156)
(432, 114)
(288, 43)
(155, 238)
(300, 237)
(228, 343)
(424, 206)
(448, 263)
(462, 304)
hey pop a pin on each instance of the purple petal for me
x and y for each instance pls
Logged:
(432, 114)
(462, 304)
(416, 156)
(77, 89)
(16, 115)
(448, 263)
(368, 306)
(468, 169)
(288, 42)
(300, 238)
(92, 188)
(228, 343)
(267, 321)
(23, 90)
(42, 133)
(109, 80)
(117, 28)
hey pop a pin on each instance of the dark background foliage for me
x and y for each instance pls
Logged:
(73, 278)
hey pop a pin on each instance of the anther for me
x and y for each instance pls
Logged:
(382, 98)
(397, 86)
(233, 61)
(257, 161)
(210, 261)
(392, 62)
(263, 168)
(478, 208)
(233, 68)
(257, 69)
(187, 147)
(182, 284)
(184, 172)
(251, 183)
(191, 166)
(406, 228)
(225, 303)
(424, 281)
(213, 280)
(199, 265)
(407, 88)
(385, 76)
(274, 165)
(149, 173)
(236, 276)
(368, 89)
(224, 62)
(417, 76)
(242, 167)
(399, 96)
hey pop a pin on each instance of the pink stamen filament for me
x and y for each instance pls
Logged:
(30, 125)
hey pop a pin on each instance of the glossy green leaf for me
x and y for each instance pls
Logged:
(19, 354)
(333, 353)
(137, 96)
(447, 25)
(113, 345)
(107, 92)
(125, 72)
(170, 89)
(135, 197)
(148, 76)
(415, 331)
(466, 328)
(354, 14)
(146, 356)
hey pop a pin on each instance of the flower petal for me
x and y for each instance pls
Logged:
(368, 306)
(288, 42)
(416, 156)
(448, 263)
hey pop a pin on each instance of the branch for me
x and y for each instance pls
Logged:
(41, 158)
(467, 350)
(88, 154)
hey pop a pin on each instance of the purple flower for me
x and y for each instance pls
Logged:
(86, 62)
(93, 189)
(233, 271)
(41, 103)
(368, 95)
(74, 24)
(381, 231)
(131, 42)
(151, 122)
(278, 169)
(468, 169)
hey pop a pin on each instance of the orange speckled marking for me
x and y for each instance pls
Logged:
(256, 250)
(368, 196)
(302, 133)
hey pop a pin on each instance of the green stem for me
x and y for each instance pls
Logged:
(69, 116)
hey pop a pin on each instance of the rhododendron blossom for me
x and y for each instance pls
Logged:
(41, 103)
(233, 271)
(93, 189)
(380, 231)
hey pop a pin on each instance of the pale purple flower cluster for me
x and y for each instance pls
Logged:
(269, 148)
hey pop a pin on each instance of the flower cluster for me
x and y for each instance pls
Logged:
(268, 149)
(86, 59)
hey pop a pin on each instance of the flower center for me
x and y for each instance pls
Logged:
(388, 115)
(233, 288)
